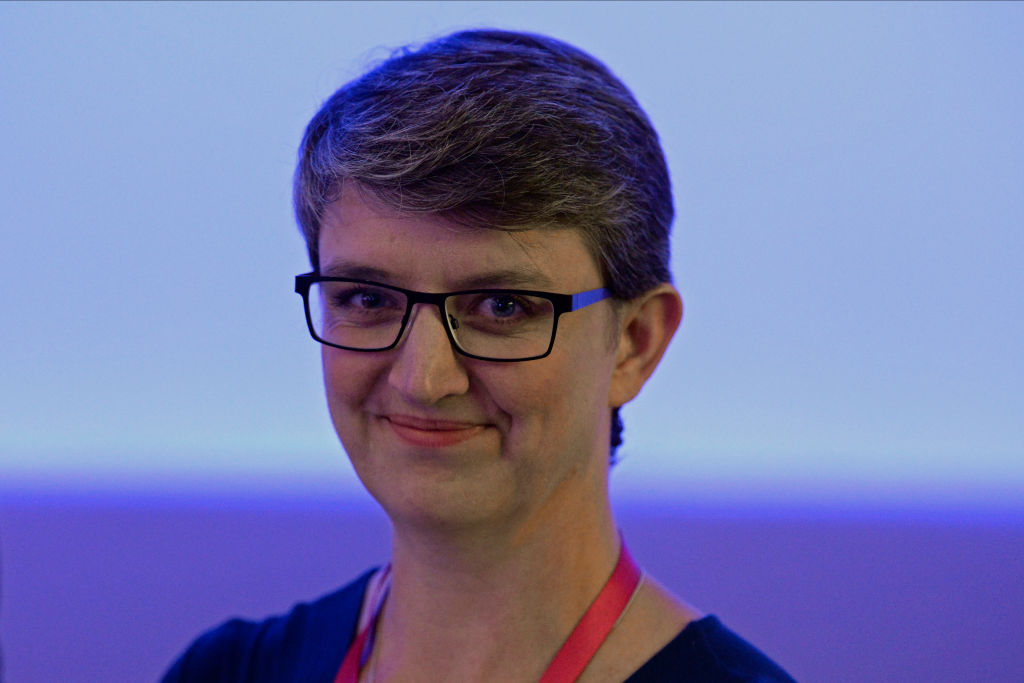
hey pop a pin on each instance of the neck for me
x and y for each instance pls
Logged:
(481, 603)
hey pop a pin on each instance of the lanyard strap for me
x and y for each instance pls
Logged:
(597, 622)
(360, 649)
(570, 660)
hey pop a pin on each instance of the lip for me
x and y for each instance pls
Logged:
(431, 433)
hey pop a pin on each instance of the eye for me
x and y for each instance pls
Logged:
(499, 311)
(354, 300)
(503, 306)
(368, 299)
(364, 298)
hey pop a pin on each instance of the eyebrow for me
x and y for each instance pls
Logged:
(356, 272)
(521, 277)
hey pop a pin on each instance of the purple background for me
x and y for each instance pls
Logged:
(112, 589)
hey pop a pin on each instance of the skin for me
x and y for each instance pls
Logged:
(494, 475)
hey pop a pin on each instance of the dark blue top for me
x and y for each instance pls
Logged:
(308, 644)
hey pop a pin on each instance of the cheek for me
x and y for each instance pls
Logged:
(582, 388)
(348, 379)
(553, 405)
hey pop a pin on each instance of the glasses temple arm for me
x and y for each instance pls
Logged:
(589, 297)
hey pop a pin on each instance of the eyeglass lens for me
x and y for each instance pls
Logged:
(488, 324)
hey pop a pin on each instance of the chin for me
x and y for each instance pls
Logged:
(448, 511)
(447, 500)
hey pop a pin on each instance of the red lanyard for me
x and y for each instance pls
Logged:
(360, 649)
(570, 660)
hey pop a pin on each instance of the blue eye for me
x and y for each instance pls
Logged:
(361, 304)
(369, 299)
(365, 298)
(500, 313)
(504, 306)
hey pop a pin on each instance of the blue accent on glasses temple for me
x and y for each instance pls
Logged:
(590, 297)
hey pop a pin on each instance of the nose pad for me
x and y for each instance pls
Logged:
(427, 368)
(453, 322)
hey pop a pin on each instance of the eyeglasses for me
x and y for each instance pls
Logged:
(487, 324)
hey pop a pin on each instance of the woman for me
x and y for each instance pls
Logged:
(488, 222)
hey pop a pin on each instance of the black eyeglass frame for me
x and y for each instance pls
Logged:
(560, 303)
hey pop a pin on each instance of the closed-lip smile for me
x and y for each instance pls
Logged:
(430, 433)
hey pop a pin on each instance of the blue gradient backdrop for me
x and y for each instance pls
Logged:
(849, 240)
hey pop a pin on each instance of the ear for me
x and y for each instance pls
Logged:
(646, 327)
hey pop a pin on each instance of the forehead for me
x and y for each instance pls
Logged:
(361, 238)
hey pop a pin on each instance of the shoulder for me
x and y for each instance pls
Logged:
(706, 651)
(306, 644)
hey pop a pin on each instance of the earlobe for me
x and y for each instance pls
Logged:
(647, 327)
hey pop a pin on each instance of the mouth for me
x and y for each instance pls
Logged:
(431, 433)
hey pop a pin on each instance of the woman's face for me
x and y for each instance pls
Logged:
(439, 438)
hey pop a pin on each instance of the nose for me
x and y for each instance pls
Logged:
(426, 368)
